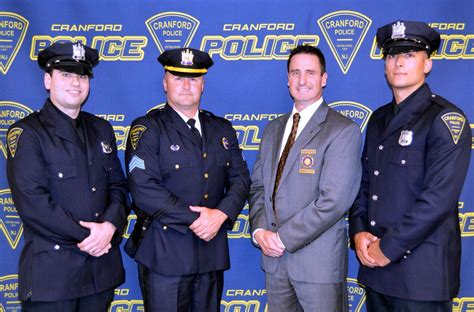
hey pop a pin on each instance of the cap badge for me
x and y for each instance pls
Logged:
(78, 52)
(187, 58)
(398, 30)
(406, 137)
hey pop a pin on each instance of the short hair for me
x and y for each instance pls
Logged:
(306, 49)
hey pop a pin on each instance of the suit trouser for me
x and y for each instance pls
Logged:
(377, 302)
(181, 293)
(284, 294)
(99, 302)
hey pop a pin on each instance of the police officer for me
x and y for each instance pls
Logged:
(189, 182)
(404, 222)
(70, 192)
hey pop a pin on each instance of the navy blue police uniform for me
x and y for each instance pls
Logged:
(57, 178)
(414, 165)
(169, 171)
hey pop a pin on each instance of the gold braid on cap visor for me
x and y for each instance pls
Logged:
(186, 70)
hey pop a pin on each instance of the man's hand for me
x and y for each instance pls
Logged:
(362, 241)
(270, 243)
(376, 253)
(98, 241)
(209, 222)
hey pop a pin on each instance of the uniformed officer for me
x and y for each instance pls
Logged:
(404, 222)
(70, 192)
(188, 182)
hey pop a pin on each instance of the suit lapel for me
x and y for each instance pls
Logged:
(61, 127)
(276, 146)
(177, 123)
(207, 129)
(416, 105)
(311, 129)
(91, 138)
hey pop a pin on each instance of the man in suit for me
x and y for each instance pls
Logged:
(304, 180)
(188, 182)
(70, 192)
(404, 223)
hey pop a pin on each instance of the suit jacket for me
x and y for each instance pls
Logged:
(55, 182)
(168, 171)
(318, 185)
(409, 196)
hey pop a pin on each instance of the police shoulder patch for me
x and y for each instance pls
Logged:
(12, 139)
(136, 134)
(455, 124)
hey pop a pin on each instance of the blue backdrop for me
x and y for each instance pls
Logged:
(249, 42)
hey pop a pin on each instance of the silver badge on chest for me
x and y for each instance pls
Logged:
(406, 137)
(106, 148)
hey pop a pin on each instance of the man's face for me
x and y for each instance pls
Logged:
(183, 93)
(305, 79)
(406, 71)
(67, 90)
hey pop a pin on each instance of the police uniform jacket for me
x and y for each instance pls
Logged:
(55, 182)
(414, 166)
(167, 172)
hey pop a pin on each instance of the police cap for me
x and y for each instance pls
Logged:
(69, 56)
(186, 62)
(405, 36)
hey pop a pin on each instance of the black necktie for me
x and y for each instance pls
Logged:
(76, 123)
(196, 135)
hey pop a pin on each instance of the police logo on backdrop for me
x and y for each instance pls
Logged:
(9, 293)
(12, 32)
(359, 113)
(344, 31)
(356, 295)
(10, 112)
(172, 30)
(455, 124)
(10, 222)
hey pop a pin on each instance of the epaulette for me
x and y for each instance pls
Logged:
(207, 113)
(441, 101)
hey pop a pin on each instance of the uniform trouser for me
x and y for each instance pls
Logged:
(284, 294)
(182, 293)
(377, 302)
(99, 302)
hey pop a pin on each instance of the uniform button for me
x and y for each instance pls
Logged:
(91, 163)
(206, 196)
(93, 189)
(60, 175)
(228, 164)
(375, 197)
(380, 147)
(96, 214)
(165, 227)
(204, 155)
(366, 158)
(206, 175)
(404, 257)
(408, 252)
(57, 247)
(176, 166)
(403, 161)
(372, 223)
(376, 173)
(433, 95)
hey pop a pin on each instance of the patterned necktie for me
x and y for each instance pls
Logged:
(196, 135)
(284, 155)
